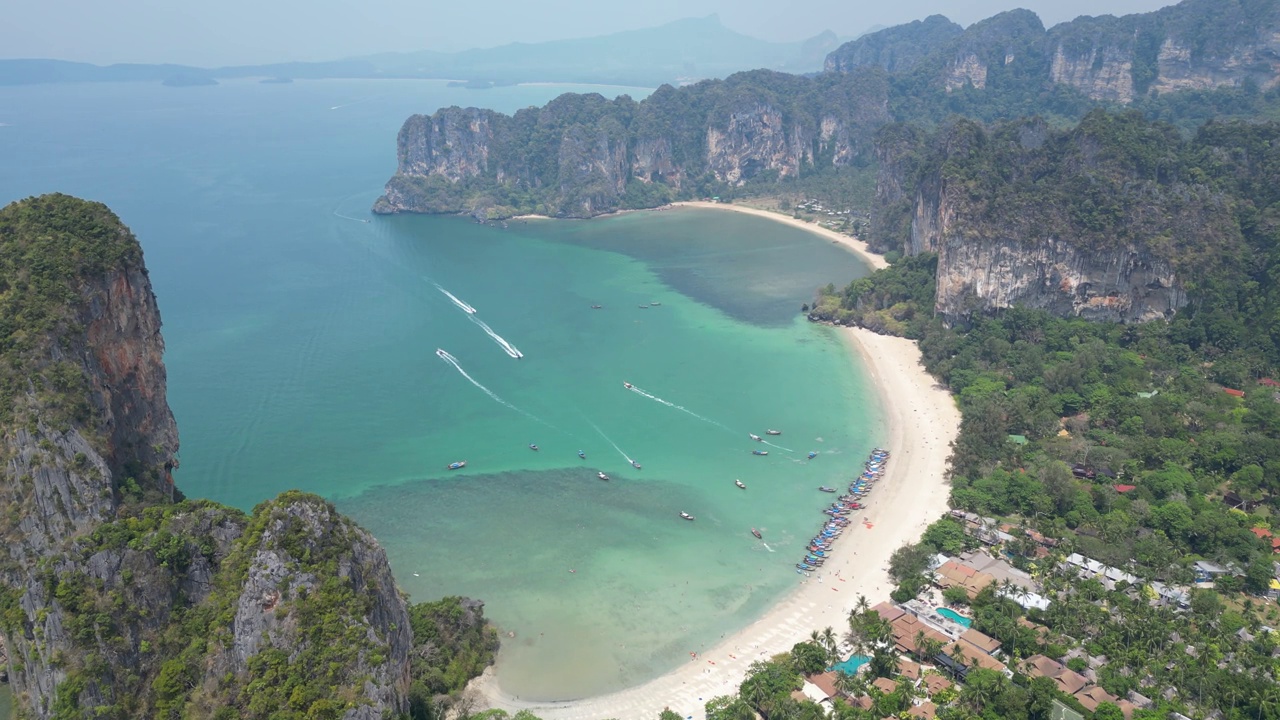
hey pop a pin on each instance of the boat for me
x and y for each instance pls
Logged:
(812, 454)
(596, 307)
(739, 484)
(627, 385)
(757, 534)
(755, 437)
(759, 452)
(457, 465)
(635, 464)
(654, 304)
(685, 516)
(824, 488)
(772, 432)
(602, 476)
(643, 307)
(532, 446)
(582, 455)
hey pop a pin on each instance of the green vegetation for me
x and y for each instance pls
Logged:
(49, 246)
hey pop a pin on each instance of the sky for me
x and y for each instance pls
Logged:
(236, 32)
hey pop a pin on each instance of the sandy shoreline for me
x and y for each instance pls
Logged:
(922, 420)
(856, 246)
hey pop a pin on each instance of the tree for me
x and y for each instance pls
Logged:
(808, 658)
(909, 562)
(1108, 711)
(1257, 579)
(945, 536)
(669, 714)
(728, 707)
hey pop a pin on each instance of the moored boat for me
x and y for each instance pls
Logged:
(757, 534)
(772, 432)
(685, 516)
(740, 484)
(596, 307)
(812, 454)
(532, 446)
(582, 455)
(457, 465)
(759, 452)
(824, 488)
(602, 476)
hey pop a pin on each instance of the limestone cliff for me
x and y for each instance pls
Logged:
(1193, 45)
(582, 155)
(1096, 222)
(118, 599)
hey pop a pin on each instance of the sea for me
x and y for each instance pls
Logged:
(312, 345)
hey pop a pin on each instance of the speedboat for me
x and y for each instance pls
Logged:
(757, 534)
(685, 515)
(759, 452)
(755, 437)
(596, 307)
(824, 488)
(627, 385)
(582, 455)
(772, 432)
(812, 455)
(740, 484)
(602, 476)
(532, 446)
(635, 464)
(458, 465)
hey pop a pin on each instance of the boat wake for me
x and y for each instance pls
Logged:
(348, 217)
(766, 442)
(672, 405)
(766, 547)
(510, 349)
(615, 445)
(465, 307)
(454, 362)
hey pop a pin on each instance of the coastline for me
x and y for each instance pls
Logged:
(922, 420)
(854, 245)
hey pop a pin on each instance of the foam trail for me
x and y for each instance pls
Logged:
(454, 362)
(510, 349)
(348, 217)
(465, 307)
(615, 445)
(681, 408)
(766, 442)
(766, 547)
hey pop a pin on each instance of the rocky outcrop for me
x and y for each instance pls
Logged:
(1194, 45)
(1080, 222)
(118, 597)
(583, 155)
(896, 49)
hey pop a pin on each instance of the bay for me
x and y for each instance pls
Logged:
(302, 354)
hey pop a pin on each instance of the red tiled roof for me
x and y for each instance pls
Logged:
(1122, 489)
(885, 685)
(936, 683)
(826, 682)
(1260, 532)
(1233, 392)
(1269, 382)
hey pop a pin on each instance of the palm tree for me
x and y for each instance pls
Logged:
(862, 605)
(829, 642)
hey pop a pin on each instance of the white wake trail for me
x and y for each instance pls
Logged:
(681, 408)
(510, 349)
(454, 362)
(615, 445)
(465, 307)
(766, 442)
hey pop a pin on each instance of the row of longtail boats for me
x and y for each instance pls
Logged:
(821, 545)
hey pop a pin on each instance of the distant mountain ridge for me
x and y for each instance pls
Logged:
(679, 51)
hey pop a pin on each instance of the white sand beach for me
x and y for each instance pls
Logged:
(922, 420)
(855, 245)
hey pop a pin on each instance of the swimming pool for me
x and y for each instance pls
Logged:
(850, 666)
(950, 614)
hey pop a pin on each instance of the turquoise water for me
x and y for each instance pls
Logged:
(950, 614)
(302, 354)
(851, 666)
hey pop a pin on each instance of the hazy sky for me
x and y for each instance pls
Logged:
(224, 32)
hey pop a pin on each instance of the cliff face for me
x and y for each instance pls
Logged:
(1095, 222)
(582, 155)
(1194, 45)
(116, 598)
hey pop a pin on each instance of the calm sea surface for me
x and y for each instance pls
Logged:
(302, 336)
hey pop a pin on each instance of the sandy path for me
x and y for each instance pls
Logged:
(857, 246)
(922, 420)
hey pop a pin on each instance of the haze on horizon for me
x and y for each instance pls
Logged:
(240, 32)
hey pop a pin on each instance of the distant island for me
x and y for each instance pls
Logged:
(679, 51)
(185, 80)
